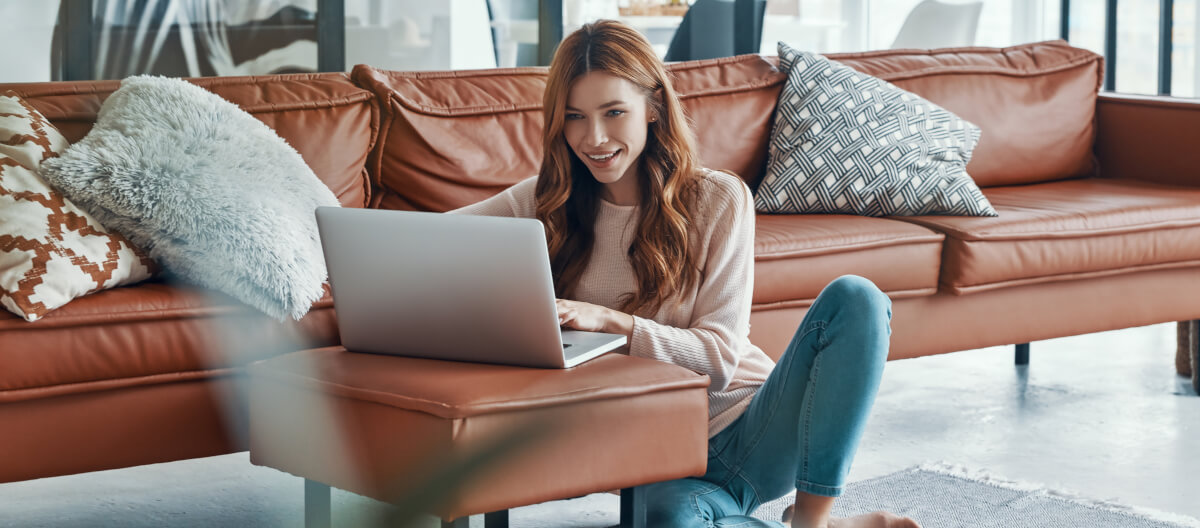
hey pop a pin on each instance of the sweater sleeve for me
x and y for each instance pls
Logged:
(719, 331)
(518, 200)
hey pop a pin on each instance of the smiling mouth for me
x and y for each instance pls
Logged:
(602, 160)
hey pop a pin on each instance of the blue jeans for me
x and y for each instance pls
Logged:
(802, 426)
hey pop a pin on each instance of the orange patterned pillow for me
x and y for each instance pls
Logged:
(50, 250)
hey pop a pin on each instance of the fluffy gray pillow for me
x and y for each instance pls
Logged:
(847, 142)
(210, 192)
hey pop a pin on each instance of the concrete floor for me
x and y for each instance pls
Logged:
(1101, 415)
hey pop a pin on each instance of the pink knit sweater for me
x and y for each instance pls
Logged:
(708, 331)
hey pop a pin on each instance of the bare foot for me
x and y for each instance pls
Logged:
(879, 519)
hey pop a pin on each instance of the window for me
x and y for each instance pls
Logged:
(28, 27)
(250, 37)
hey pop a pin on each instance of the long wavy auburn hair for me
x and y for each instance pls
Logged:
(663, 260)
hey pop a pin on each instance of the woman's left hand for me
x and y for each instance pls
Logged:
(577, 315)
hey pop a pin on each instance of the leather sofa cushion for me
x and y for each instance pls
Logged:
(1068, 230)
(379, 425)
(145, 334)
(418, 384)
(1036, 103)
(331, 122)
(731, 103)
(797, 255)
(1132, 126)
(449, 139)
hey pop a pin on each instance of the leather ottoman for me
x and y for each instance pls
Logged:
(457, 439)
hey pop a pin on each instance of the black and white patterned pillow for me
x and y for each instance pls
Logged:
(847, 142)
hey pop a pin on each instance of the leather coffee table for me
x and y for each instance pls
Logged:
(475, 438)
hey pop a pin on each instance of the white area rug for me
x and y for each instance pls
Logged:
(948, 496)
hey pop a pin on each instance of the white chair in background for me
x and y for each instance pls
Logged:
(412, 35)
(934, 24)
(784, 8)
(786, 21)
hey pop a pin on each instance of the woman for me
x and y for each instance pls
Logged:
(645, 243)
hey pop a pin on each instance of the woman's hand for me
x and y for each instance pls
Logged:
(576, 315)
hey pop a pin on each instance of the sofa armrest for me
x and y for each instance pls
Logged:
(1149, 138)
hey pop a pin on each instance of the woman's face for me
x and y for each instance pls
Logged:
(606, 125)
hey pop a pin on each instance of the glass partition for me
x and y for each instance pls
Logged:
(1185, 60)
(992, 23)
(1137, 49)
(819, 26)
(831, 26)
(1087, 24)
(659, 21)
(443, 35)
(656, 19)
(515, 32)
(195, 38)
(28, 27)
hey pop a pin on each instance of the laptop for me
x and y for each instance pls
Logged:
(455, 287)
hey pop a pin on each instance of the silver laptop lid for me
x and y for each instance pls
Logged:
(467, 288)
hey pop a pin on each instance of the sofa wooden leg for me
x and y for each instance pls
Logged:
(633, 508)
(496, 519)
(317, 513)
(1183, 348)
(1194, 349)
(1023, 354)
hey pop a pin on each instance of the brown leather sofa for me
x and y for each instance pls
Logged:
(1099, 229)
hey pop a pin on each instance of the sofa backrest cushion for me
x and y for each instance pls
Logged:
(448, 139)
(452, 138)
(731, 103)
(329, 120)
(1036, 103)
